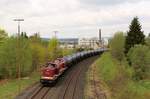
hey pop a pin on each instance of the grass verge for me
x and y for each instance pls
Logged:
(10, 88)
(99, 86)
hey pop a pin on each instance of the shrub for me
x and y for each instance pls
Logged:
(139, 57)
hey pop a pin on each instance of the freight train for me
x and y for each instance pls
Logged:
(51, 71)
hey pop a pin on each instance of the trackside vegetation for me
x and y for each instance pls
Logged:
(23, 57)
(20, 55)
(118, 79)
(125, 69)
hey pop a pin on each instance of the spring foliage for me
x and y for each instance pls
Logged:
(54, 49)
(39, 51)
(148, 41)
(117, 46)
(137, 50)
(15, 52)
(116, 79)
(19, 51)
(3, 35)
(20, 55)
(139, 56)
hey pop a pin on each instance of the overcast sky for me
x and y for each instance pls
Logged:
(73, 18)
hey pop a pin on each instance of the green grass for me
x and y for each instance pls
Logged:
(10, 88)
(107, 69)
(118, 77)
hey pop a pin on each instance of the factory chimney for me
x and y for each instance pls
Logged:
(100, 38)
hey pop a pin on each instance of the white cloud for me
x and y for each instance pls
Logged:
(71, 17)
(108, 2)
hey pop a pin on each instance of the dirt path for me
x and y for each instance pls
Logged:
(69, 86)
(95, 88)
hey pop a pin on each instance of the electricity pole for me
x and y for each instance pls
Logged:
(18, 64)
(55, 32)
(18, 20)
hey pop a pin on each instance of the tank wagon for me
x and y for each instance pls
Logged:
(51, 71)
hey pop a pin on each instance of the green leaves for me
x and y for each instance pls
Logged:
(54, 49)
(139, 57)
(117, 46)
(148, 41)
(15, 51)
(3, 35)
(39, 55)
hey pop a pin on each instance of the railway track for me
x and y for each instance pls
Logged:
(69, 86)
(74, 84)
(72, 88)
(39, 93)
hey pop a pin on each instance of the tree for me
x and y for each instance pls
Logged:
(39, 51)
(23, 54)
(117, 46)
(148, 41)
(3, 35)
(15, 51)
(54, 49)
(35, 38)
(39, 55)
(139, 56)
(134, 35)
(24, 34)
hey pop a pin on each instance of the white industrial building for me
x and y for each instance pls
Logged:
(93, 43)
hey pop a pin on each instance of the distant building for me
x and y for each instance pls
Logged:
(89, 43)
(71, 43)
(68, 43)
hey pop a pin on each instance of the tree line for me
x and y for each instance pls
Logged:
(134, 47)
(22, 54)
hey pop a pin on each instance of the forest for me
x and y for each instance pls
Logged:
(21, 55)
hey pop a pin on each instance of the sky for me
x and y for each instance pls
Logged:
(73, 18)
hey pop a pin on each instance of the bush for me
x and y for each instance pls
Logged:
(117, 46)
(117, 80)
(139, 57)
